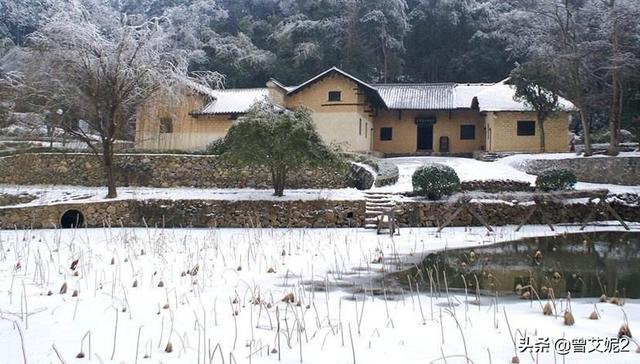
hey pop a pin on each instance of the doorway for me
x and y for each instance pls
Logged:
(425, 135)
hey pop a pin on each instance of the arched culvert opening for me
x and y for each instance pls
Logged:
(72, 219)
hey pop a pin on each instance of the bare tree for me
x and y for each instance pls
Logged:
(619, 28)
(559, 35)
(100, 67)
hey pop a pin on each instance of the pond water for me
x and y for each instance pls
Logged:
(582, 264)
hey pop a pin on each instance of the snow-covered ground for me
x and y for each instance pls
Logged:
(506, 168)
(46, 194)
(231, 305)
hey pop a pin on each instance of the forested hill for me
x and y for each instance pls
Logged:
(378, 40)
(587, 51)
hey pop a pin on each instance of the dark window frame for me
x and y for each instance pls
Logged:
(166, 125)
(526, 128)
(334, 96)
(386, 134)
(467, 132)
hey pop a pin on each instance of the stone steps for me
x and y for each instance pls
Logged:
(376, 203)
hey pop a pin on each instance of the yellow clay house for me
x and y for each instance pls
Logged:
(390, 119)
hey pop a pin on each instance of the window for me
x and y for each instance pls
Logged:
(335, 95)
(526, 128)
(166, 125)
(386, 133)
(360, 127)
(467, 132)
(366, 130)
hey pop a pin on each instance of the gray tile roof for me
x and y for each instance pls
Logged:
(411, 96)
(437, 96)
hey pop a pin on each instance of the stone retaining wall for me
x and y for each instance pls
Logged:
(159, 170)
(9, 199)
(284, 214)
(196, 213)
(427, 213)
(616, 170)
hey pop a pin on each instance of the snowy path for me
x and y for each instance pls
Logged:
(232, 297)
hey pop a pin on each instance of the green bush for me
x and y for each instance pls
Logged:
(216, 147)
(556, 179)
(435, 181)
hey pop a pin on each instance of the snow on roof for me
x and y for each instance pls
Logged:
(500, 97)
(234, 101)
(465, 92)
(325, 73)
(282, 86)
(409, 96)
(436, 96)
(430, 96)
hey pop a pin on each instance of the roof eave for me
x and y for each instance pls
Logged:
(279, 84)
(325, 74)
(202, 114)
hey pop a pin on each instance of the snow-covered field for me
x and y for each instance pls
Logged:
(217, 296)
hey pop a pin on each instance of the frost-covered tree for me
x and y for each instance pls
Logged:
(384, 26)
(93, 63)
(190, 26)
(282, 141)
(19, 18)
(588, 47)
(237, 57)
(619, 31)
(452, 40)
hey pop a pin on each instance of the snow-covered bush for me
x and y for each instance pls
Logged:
(435, 181)
(604, 136)
(216, 147)
(556, 179)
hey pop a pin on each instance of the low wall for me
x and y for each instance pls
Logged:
(159, 170)
(615, 170)
(196, 213)
(284, 214)
(9, 199)
(434, 213)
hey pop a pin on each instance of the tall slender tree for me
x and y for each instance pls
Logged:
(530, 80)
(619, 30)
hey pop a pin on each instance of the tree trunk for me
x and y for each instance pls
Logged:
(586, 132)
(616, 84)
(107, 161)
(579, 96)
(542, 136)
(614, 117)
(385, 61)
(278, 178)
